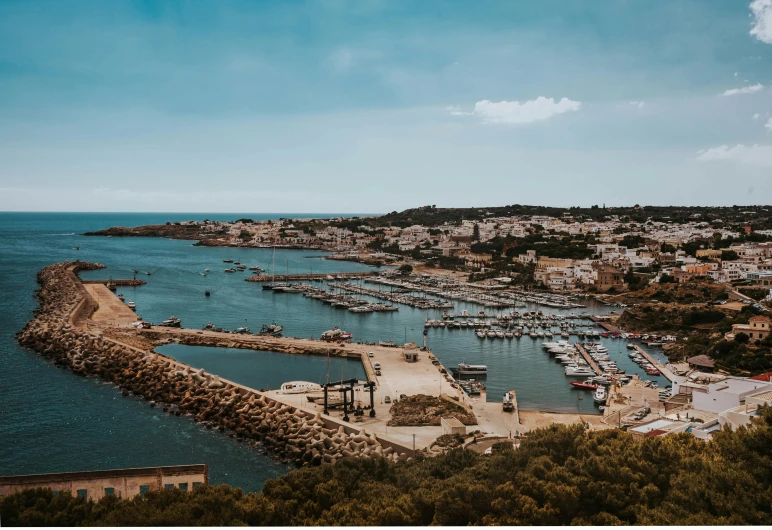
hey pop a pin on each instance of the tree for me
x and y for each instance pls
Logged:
(742, 338)
(405, 269)
(476, 232)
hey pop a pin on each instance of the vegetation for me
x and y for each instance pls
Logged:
(427, 410)
(559, 476)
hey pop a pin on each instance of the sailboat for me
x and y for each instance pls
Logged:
(266, 286)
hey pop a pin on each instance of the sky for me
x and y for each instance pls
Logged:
(382, 105)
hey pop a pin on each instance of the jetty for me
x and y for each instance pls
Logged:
(666, 372)
(589, 359)
(309, 276)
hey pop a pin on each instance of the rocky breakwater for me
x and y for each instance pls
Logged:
(295, 435)
(248, 342)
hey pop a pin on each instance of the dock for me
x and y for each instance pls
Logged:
(664, 371)
(309, 276)
(589, 359)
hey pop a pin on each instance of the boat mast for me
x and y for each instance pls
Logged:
(273, 267)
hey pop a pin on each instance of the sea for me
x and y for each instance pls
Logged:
(54, 421)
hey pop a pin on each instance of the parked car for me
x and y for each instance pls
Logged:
(387, 399)
(370, 354)
(377, 372)
(377, 366)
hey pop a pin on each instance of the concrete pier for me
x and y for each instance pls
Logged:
(589, 359)
(664, 371)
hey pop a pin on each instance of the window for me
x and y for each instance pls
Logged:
(169, 486)
(109, 491)
(144, 489)
(183, 486)
(83, 493)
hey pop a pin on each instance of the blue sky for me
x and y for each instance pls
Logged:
(367, 105)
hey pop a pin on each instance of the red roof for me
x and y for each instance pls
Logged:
(656, 432)
(763, 377)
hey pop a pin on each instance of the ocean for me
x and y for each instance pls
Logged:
(53, 421)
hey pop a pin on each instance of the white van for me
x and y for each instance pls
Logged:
(377, 366)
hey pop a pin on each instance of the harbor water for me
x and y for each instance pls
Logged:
(56, 421)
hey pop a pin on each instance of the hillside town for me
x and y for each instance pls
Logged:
(609, 255)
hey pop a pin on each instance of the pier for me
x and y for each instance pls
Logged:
(300, 277)
(605, 324)
(664, 371)
(589, 359)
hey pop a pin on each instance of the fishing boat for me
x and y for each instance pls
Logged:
(471, 369)
(336, 335)
(273, 329)
(171, 322)
(299, 387)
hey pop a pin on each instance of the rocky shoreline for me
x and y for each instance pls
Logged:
(295, 436)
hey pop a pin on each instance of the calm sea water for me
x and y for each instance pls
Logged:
(51, 420)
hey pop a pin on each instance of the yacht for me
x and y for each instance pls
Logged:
(600, 395)
(579, 371)
(299, 387)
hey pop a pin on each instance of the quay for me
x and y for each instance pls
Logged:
(299, 277)
(116, 283)
(589, 359)
(662, 369)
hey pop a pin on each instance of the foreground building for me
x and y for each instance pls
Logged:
(125, 483)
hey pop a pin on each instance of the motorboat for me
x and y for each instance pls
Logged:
(242, 330)
(600, 395)
(507, 404)
(131, 305)
(578, 371)
(588, 385)
(299, 387)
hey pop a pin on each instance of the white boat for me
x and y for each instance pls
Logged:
(600, 395)
(131, 305)
(579, 371)
(299, 387)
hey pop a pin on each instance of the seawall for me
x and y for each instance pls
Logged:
(295, 435)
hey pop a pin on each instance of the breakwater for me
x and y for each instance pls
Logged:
(295, 435)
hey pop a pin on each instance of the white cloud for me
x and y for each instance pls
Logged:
(735, 74)
(756, 116)
(754, 155)
(514, 112)
(768, 125)
(762, 20)
(744, 90)
(638, 104)
(455, 110)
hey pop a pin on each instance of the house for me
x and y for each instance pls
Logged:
(757, 328)
(609, 277)
(727, 393)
